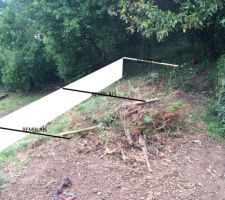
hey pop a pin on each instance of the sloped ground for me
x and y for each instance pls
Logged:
(187, 165)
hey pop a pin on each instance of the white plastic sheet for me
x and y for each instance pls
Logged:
(46, 109)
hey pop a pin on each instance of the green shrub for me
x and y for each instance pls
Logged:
(221, 88)
(14, 73)
(214, 125)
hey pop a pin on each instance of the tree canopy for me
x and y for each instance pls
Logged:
(205, 18)
(45, 41)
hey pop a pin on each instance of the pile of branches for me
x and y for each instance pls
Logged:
(141, 120)
(148, 118)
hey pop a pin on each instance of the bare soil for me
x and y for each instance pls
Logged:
(186, 167)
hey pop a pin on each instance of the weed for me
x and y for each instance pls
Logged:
(58, 125)
(214, 124)
(91, 104)
(110, 118)
(175, 106)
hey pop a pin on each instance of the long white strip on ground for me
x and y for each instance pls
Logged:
(46, 109)
(150, 61)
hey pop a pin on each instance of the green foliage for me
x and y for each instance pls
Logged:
(60, 39)
(14, 102)
(149, 17)
(86, 38)
(59, 125)
(14, 73)
(109, 119)
(147, 120)
(221, 88)
(204, 19)
(175, 106)
(23, 63)
(214, 124)
(92, 104)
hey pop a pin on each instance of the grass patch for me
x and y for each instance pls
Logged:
(59, 125)
(175, 106)
(213, 125)
(90, 104)
(15, 101)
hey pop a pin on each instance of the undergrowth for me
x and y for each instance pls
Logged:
(214, 124)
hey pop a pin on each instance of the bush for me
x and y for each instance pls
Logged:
(14, 73)
(221, 88)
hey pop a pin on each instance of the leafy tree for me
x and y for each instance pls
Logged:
(23, 59)
(60, 39)
(79, 35)
(204, 18)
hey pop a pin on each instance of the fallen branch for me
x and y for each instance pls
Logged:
(127, 105)
(147, 101)
(145, 151)
(163, 125)
(125, 158)
(71, 133)
(110, 152)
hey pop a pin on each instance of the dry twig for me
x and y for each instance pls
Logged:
(145, 151)
(126, 130)
(110, 152)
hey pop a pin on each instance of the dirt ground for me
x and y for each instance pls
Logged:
(187, 167)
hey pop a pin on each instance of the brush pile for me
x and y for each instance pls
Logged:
(139, 125)
(141, 121)
(150, 118)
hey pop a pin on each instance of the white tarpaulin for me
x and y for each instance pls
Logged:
(46, 109)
